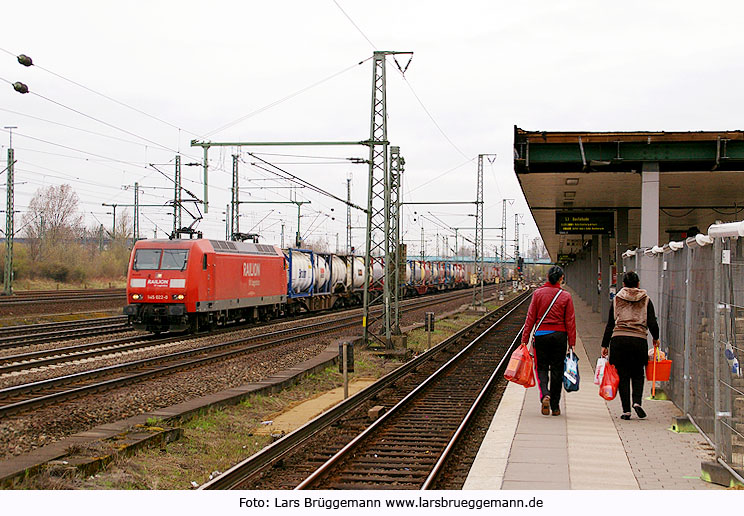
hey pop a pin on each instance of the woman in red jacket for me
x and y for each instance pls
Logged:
(557, 330)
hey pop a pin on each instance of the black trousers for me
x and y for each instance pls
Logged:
(550, 351)
(630, 356)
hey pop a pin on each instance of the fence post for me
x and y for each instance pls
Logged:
(717, 291)
(688, 331)
(662, 308)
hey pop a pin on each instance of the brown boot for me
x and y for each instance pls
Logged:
(556, 412)
(546, 406)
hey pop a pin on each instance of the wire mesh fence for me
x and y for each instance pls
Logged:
(729, 339)
(701, 316)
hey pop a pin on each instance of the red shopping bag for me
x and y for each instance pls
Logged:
(519, 369)
(610, 381)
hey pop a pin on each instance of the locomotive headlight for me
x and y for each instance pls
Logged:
(136, 296)
(178, 296)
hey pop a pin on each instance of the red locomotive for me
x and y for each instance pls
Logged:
(186, 284)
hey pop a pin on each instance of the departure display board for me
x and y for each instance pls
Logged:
(584, 223)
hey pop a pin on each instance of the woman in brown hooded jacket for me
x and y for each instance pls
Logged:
(631, 317)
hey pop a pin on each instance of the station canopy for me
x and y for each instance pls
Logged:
(574, 182)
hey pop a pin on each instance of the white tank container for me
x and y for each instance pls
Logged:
(338, 273)
(322, 273)
(434, 273)
(408, 273)
(425, 272)
(301, 271)
(357, 272)
(377, 270)
(416, 269)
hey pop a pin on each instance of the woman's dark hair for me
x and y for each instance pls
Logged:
(555, 274)
(631, 280)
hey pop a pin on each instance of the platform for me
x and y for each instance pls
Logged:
(588, 446)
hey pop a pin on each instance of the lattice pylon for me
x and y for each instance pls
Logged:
(478, 300)
(377, 220)
(177, 198)
(235, 202)
(9, 231)
(393, 265)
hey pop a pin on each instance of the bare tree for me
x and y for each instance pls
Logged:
(319, 245)
(124, 227)
(52, 217)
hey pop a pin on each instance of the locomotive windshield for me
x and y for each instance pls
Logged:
(160, 259)
(174, 259)
(146, 259)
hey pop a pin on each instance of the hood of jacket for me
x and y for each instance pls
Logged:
(632, 295)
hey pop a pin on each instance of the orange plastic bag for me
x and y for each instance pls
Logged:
(519, 370)
(610, 381)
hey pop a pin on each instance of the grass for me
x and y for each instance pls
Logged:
(418, 340)
(49, 284)
(16, 320)
(154, 421)
(212, 442)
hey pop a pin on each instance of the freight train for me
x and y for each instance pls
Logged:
(176, 285)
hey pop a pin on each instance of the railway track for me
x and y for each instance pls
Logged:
(407, 447)
(41, 358)
(17, 336)
(14, 341)
(25, 329)
(55, 296)
(432, 399)
(26, 396)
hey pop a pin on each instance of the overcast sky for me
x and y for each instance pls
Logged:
(479, 68)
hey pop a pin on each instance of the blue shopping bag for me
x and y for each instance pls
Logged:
(571, 372)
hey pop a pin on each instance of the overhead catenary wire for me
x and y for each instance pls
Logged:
(469, 160)
(154, 223)
(79, 150)
(307, 184)
(107, 97)
(302, 156)
(70, 126)
(130, 133)
(282, 100)
(410, 86)
(354, 24)
(103, 161)
(431, 117)
(77, 111)
(260, 221)
(65, 176)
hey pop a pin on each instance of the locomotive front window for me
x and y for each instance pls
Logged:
(174, 259)
(146, 259)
